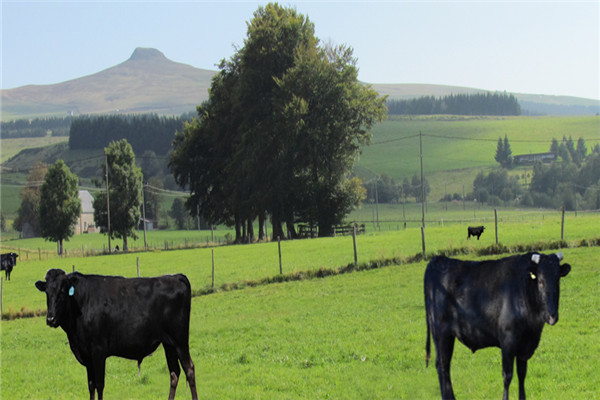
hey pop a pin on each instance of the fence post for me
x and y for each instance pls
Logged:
(354, 244)
(138, 266)
(279, 248)
(1, 296)
(213, 268)
(562, 225)
(496, 224)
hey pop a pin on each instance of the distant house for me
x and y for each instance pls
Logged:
(85, 222)
(529, 159)
(148, 222)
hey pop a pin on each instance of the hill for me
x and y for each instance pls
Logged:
(150, 82)
(146, 82)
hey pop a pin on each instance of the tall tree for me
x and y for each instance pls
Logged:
(283, 124)
(508, 158)
(503, 153)
(60, 205)
(125, 193)
(28, 215)
(554, 147)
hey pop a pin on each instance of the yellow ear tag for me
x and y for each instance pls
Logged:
(532, 275)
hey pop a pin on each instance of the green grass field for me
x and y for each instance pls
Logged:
(353, 336)
(350, 336)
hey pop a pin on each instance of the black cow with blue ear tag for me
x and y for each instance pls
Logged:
(107, 316)
(495, 303)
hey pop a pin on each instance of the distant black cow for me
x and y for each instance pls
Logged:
(107, 316)
(474, 231)
(502, 303)
(8, 260)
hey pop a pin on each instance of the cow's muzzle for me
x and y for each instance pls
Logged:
(52, 321)
(552, 319)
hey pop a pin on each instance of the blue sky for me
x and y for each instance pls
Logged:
(542, 47)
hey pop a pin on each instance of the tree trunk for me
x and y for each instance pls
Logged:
(291, 229)
(250, 231)
(238, 229)
(125, 248)
(261, 226)
(277, 228)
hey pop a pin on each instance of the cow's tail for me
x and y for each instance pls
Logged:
(427, 346)
(427, 310)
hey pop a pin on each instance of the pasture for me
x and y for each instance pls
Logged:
(351, 336)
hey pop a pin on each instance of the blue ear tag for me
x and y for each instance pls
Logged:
(71, 291)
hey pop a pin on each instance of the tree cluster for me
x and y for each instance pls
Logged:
(564, 183)
(572, 181)
(457, 104)
(146, 132)
(386, 190)
(496, 187)
(280, 132)
(567, 151)
(37, 127)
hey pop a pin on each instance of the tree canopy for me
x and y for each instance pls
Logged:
(60, 205)
(279, 134)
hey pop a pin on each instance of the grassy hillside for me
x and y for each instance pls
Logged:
(455, 148)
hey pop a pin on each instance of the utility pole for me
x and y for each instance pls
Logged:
(144, 216)
(107, 200)
(422, 194)
(422, 181)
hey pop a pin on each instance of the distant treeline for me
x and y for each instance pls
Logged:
(458, 104)
(147, 132)
(38, 127)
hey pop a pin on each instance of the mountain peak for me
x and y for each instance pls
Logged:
(146, 54)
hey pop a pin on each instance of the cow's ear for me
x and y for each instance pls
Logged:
(565, 269)
(41, 286)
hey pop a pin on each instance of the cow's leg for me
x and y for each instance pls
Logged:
(91, 381)
(521, 372)
(99, 371)
(508, 361)
(173, 364)
(188, 366)
(444, 347)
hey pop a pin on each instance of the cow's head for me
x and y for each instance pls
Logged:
(58, 288)
(546, 271)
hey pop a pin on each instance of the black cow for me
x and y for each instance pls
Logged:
(107, 316)
(8, 260)
(474, 231)
(502, 303)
